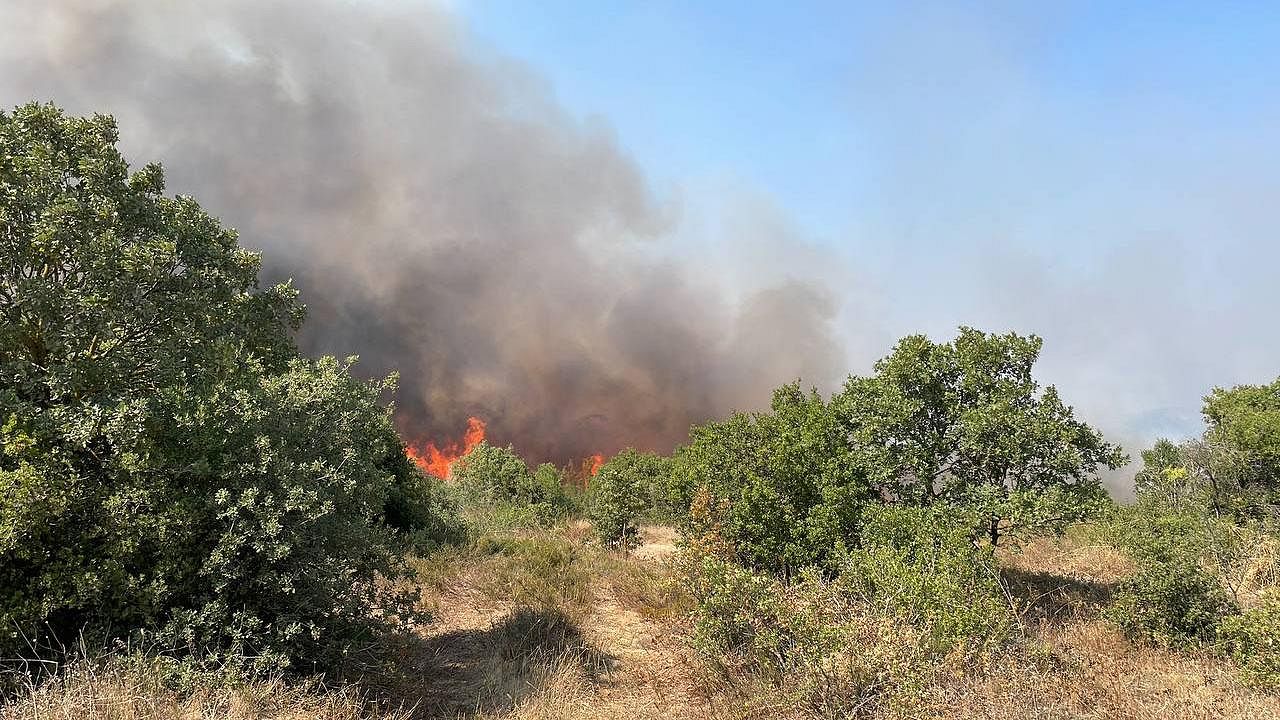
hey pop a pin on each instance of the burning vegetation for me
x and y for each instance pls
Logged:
(438, 460)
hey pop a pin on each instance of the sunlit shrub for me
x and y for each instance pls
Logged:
(495, 476)
(171, 469)
(782, 484)
(922, 566)
(807, 640)
(622, 492)
(1172, 598)
(1252, 639)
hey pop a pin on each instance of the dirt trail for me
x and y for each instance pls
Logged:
(657, 542)
(489, 659)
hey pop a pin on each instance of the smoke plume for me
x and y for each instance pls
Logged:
(441, 214)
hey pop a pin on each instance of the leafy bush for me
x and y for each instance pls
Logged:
(621, 492)
(1172, 598)
(781, 484)
(1171, 604)
(424, 508)
(915, 588)
(921, 566)
(737, 617)
(167, 462)
(1252, 639)
(491, 473)
(554, 490)
(809, 640)
(494, 475)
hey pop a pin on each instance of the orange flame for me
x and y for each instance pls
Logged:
(596, 460)
(438, 460)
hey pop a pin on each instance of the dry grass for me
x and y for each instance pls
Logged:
(1089, 670)
(1076, 665)
(547, 625)
(1058, 581)
(115, 691)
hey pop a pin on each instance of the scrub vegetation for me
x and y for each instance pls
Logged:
(198, 521)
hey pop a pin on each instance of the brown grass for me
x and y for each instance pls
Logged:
(115, 691)
(548, 625)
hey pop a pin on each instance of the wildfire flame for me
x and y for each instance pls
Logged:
(437, 460)
(596, 461)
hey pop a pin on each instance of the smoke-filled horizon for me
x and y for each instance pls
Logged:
(440, 214)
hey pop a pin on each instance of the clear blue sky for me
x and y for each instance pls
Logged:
(1104, 174)
(802, 98)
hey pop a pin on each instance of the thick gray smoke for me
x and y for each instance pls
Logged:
(441, 214)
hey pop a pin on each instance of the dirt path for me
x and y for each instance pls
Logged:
(488, 659)
(657, 542)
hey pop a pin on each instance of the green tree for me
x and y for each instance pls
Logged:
(167, 461)
(1232, 469)
(1240, 453)
(495, 474)
(783, 483)
(965, 423)
(1164, 480)
(622, 492)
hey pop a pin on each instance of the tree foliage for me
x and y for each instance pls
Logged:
(1242, 447)
(966, 423)
(167, 461)
(495, 475)
(623, 491)
(785, 487)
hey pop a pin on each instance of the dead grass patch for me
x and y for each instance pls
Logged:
(107, 690)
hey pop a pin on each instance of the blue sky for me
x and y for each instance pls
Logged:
(802, 98)
(1104, 174)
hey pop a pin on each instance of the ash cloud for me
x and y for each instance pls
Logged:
(442, 215)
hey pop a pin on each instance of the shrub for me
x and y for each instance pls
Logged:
(782, 484)
(167, 461)
(1172, 598)
(849, 646)
(552, 488)
(1252, 639)
(921, 566)
(494, 474)
(621, 492)
(424, 508)
(497, 476)
(808, 641)
(1171, 604)
(736, 622)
